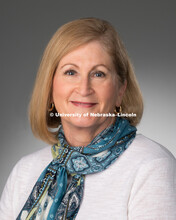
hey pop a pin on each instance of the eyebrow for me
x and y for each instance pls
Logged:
(94, 67)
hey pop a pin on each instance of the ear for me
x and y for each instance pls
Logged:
(120, 93)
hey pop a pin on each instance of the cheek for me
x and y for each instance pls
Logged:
(59, 89)
(108, 92)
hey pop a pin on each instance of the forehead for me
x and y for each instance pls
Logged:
(92, 52)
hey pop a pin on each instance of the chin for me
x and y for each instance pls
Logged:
(84, 122)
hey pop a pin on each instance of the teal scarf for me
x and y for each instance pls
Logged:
(52, 197)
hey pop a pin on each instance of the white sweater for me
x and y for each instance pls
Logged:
(139, 185)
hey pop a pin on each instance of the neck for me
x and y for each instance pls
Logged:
(82, 136)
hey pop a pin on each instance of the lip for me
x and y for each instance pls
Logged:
(83, 104)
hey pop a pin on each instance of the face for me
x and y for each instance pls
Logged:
(86, 82)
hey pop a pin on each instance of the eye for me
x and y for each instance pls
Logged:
(69, 72)
(99, 74)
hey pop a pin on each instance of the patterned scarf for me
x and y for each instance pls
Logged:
(52, 197)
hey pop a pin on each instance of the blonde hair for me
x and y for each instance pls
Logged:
(66, 39)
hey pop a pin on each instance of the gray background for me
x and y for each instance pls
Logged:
(148, 31)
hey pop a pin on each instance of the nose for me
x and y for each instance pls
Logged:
(84, 87)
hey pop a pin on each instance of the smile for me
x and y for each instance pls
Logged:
(83, 104)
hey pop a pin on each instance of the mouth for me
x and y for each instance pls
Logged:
(83, 104)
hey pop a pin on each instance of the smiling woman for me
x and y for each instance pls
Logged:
(79, 38)
(86, 81)
(97, 167)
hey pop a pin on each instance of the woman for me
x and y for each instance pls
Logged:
(99, 168)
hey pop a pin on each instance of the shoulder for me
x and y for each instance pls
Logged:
(27, 170)
(154, 180)
(29, 167)
(151, 165)
(145, 150)
(144, 153)
(34, 163)
(42, 156)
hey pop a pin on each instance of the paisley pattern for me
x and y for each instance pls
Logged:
(79, 163)
(52, 198)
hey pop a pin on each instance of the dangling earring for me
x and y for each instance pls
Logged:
(51, 107)
(119, 110)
